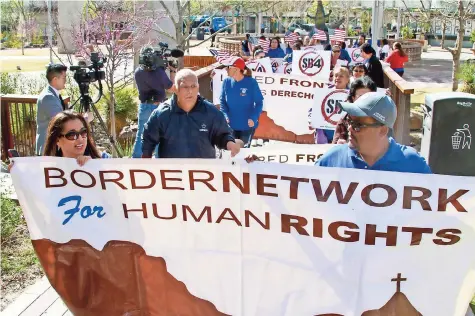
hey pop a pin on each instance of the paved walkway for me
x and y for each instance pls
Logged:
(435, 67)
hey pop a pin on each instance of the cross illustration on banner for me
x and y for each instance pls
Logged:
(398, 280)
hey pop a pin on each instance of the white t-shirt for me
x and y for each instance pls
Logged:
(385, 49)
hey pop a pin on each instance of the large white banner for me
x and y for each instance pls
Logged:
(210, 237)
(287, 98)
(288, 153)
(314, 64)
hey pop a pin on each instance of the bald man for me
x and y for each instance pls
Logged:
(187, 126)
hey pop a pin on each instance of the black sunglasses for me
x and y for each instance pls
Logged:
(73, 135)
(357, 126)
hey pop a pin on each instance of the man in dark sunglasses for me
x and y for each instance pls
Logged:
(370, 121)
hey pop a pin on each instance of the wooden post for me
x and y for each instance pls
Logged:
(7, 135)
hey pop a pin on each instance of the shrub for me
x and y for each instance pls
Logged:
(406, 32)
(38, 38)
(467, 76)
(472, 36)
(12, 40)
(352, 32)
(11, 216)
(125, 107)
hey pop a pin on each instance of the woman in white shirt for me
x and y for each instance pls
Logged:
(385, 50)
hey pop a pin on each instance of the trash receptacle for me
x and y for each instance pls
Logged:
(200, 34)
(448, 132)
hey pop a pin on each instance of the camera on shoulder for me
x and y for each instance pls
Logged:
(152, 58)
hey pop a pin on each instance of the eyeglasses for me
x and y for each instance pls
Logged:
(73, 135)
(358, 70)
(357, 126)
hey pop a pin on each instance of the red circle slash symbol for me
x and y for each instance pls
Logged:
(288, 69)
(356, 56)
(257, 67)
(311, 63)
(331, 110)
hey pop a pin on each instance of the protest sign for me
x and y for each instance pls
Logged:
(276, 63)
(287, 100)
(355, 54)
(284, 68)
(340, 62)
(315, 47)
(326, 111)
(207, 237)
(315, 64)
(260, 65)
(298, 154)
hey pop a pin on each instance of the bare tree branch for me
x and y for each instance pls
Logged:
(168, 11)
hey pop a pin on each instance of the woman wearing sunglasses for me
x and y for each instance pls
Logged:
(359, 71)
(69, 136)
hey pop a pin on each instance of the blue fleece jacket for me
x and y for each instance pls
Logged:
(344, 55)
(275, 53)
(179, 134)
(240, 101)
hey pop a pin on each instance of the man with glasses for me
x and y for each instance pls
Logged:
(370, 121)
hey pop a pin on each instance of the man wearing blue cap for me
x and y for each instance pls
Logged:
(370, 122)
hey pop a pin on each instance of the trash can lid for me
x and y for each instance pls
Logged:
(433, 97)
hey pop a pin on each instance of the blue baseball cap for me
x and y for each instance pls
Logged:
(373, 104)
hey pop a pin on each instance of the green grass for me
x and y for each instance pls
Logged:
(26, 65)
(19, 264)
(472, 304)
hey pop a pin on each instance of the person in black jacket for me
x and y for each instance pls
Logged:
(187, 126)
(375, 69)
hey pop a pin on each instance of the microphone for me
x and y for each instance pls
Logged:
(176, 53)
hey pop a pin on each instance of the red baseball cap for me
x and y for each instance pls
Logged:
(235, 61)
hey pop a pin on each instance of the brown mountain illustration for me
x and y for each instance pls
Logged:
(268, 129)
(119, 280)
(398, 305)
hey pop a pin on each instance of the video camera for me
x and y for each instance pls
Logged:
(91, 73)
(84, 76)
(159, 57)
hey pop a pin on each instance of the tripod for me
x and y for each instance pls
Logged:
(86, 104)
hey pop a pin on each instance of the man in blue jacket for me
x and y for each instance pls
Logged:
(187, 126)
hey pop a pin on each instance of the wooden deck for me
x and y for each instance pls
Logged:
(38, 299)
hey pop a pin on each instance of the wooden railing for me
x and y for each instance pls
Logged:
(198, 61)
(401, 92)
(18, 118)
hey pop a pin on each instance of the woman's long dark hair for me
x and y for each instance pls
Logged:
(55, 128)
(398, 46)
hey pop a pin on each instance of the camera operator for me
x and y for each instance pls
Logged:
(152, 82)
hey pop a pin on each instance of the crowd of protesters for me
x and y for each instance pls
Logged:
(188, 126)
